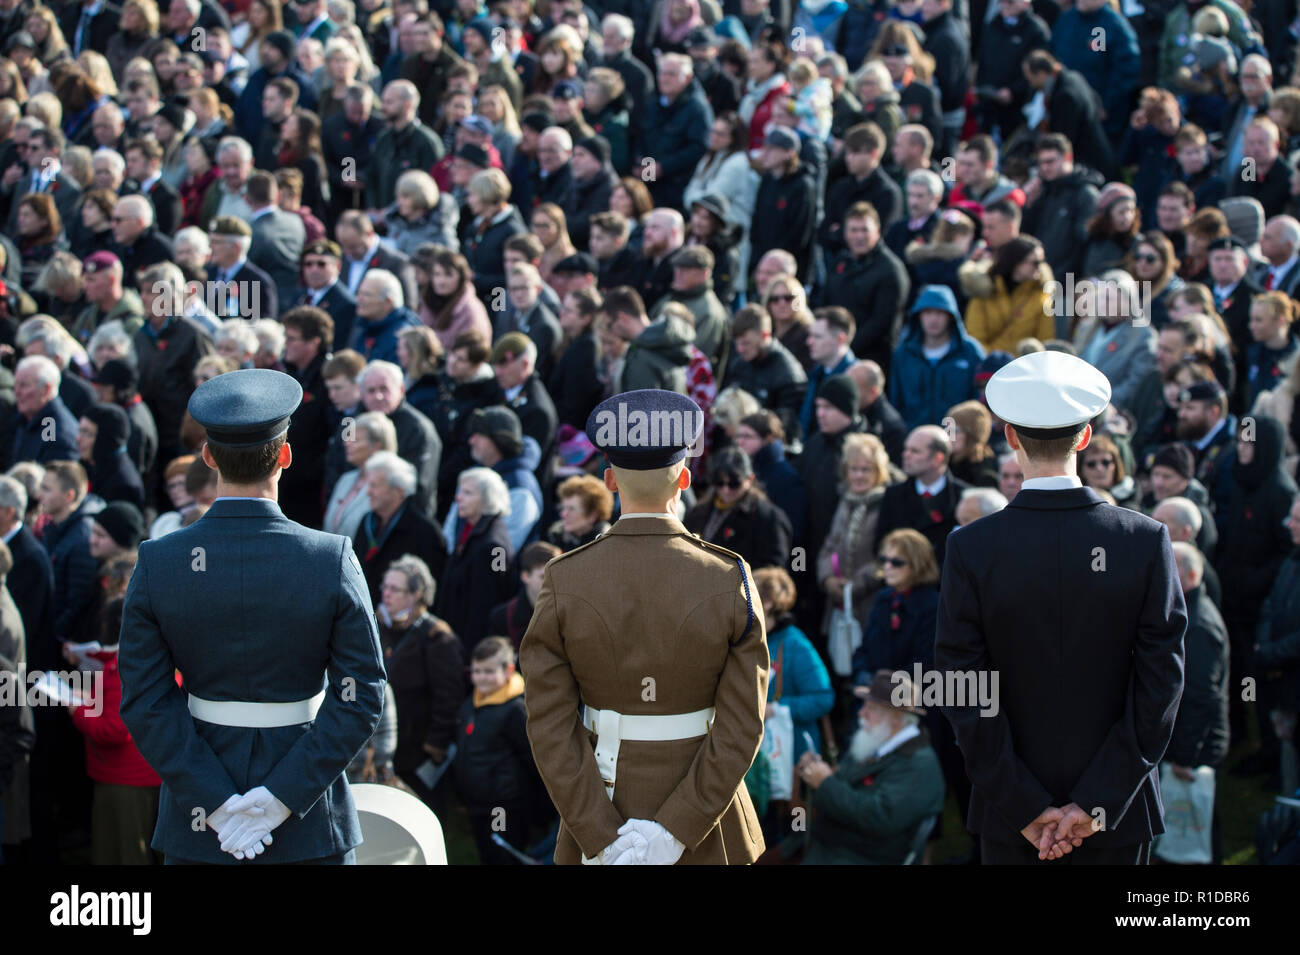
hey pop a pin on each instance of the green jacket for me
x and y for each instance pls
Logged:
(867, 813)
(1176, 41)
(129, 311)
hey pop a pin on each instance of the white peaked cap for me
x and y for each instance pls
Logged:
(1047, 391)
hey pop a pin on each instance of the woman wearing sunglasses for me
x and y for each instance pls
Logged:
(1102, 469)
(738, 515)
(1010, 300)
(900, 628)
(1153, 261)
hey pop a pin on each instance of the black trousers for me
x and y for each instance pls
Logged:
(996, 853)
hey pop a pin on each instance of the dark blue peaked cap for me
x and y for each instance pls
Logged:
(242, 409)
(646, 429)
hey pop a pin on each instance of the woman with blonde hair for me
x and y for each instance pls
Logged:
(1272, 320)
(43, 26)
(11, 82)
(495, 106)
(846, 557)
(342, 65)
(99, 71)
(420, 354)
(137, 27)
(551, 227)
(786, 302)
(973, 460)
(421, 215)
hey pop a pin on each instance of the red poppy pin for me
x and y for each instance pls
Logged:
(868, 780)
(469, 728)
(307, 396)
(599, 127)
(162, 344)
(375, 261)
(347, 137)
(1113, 346)
(895, 621)
(780, 203)
(54, 186)
(1227, 304)
(913, 111)
(1170, 151)
(936, 516)
(728, 532)
(839, 267)
(370, 553)
(1249, 514)
(880, 15)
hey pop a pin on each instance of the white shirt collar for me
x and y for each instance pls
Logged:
(18, 525)
(1057, 482)
(265, 210)
(1209, 435)
(934, 488)
(1279, 270)
(669, 517)
(513, 393)
(149, 183)
(898, 739)
(310, 28)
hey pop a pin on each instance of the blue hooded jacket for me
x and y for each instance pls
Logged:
(377, 341)
(923, 390)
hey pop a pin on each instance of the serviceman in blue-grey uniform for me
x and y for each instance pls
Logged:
(271, 628)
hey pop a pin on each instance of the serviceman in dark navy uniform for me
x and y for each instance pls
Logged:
(271, 627)
(1076, 606)
(661, 635)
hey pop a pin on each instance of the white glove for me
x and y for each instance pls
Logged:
(223, 822)
(648, 843)
(256, 814)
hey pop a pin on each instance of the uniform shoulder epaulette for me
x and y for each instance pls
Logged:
(580, 547)
(731, 555)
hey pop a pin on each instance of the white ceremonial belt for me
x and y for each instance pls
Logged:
(612, 728)
(255, 715)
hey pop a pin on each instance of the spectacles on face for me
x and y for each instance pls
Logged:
(780, 298)
(895, 562)
(119, 219)
(1147, 258)
(1100, 463)
(731, 482)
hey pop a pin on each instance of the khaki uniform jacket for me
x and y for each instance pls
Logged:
(649, 602)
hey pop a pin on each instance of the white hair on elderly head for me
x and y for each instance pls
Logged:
(270, 336)
(928, 178)
(13, 494)
(195, 240)
(390, 285)
(46, 372)
(109, 157)
(386, 369)
(137, 207)
(1183, 512)
(233, 144)
(398, 473)
(167, 282)
(1260, 63)
(54, 340)
(407, 90)
(672, 217)
(113, 335)
(239, 332)
(1290, 230)
(558, 136)
(990, 500)
(621, 25)
(378, 429)
(877, 70)
(491, 487)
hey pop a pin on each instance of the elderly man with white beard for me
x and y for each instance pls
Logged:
(867, 810)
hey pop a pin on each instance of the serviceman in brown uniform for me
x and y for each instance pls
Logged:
(661, 635)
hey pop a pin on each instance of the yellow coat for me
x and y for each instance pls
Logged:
(649, 619)
(999, 319)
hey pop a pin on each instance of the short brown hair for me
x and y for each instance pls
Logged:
(70, 475)
(527, 244)
(178, 466)
(343, 364)
(148, 148)
(751, 318)
(198, 475)
(494, 648)
(837, 319)
(623, 300)
(476, 347)
(247, 465)
(311, 322)
(862, 210)
(537, 554)
(596, 498)
(1050, 449)
(864, 138)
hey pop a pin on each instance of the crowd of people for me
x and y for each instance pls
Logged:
(461, 224)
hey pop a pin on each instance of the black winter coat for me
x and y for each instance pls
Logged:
(474, 581)
(874, 288)
(427, 673)
(485, 252)
(785, 217)
(574, 385)
(753, 527)
(1201, 729)
(494, 762)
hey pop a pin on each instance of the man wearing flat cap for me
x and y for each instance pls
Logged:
(322, 262)
(661, 635)
(283, 675)
(869, 808)
(1074, 607)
